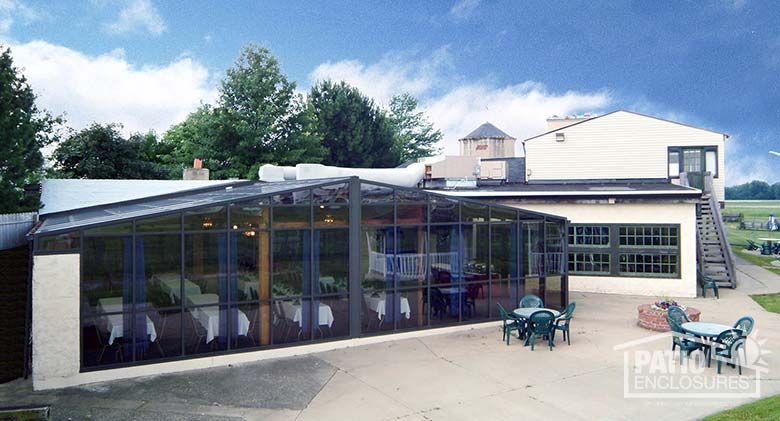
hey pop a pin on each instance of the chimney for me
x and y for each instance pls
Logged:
(197, 172)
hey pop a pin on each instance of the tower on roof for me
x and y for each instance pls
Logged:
(488, 141)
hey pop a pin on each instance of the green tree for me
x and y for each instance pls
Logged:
(415, 136)
(354, 130)
(101, 152)
(24, 130)
(259, 118)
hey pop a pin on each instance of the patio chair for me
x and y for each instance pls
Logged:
(751, 245)
(541, 323)
(726, 347)
(683, 340)
(438, 303)
(745, 324)
(563, 321)
(677, 314)
(510, 322)
(705, 282)
(102, 336)
(531, 300)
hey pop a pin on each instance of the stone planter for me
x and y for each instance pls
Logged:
(656, 319)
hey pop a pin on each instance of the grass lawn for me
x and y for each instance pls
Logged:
(770, 302)
(758, 210)
(764, 409)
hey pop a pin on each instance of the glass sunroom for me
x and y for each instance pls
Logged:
(259, 265)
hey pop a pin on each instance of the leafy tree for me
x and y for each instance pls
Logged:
(100, 152)
(24, 130)
(354, 130)
(415, 136)
(259, 118)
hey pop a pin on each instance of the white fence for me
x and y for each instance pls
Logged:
(408, 265)
(14, 227)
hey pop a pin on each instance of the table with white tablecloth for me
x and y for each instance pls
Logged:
(208, 316)
(378, 304)
(115, 322)
(171, 284)
(294, 312)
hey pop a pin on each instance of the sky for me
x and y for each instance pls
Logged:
(148, 63)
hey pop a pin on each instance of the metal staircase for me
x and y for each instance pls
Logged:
(714, 252)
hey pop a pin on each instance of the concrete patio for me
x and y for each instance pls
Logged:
(464, 375)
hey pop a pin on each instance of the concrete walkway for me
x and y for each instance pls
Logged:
(468, 375)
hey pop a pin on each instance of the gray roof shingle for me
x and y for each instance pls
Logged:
(487, 130)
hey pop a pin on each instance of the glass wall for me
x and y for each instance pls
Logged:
(276, 270)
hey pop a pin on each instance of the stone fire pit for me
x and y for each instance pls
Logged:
(656, 319)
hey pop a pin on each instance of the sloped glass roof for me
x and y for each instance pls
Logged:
(114, 212)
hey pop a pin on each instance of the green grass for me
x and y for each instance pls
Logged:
(759, 210)
(764, 409)
(770, 302)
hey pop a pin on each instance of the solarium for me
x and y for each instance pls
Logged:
(265, 265)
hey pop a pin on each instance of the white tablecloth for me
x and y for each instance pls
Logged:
(115, 322)
(171, 284)
(294, 313)
(208, 317)
(379, 304)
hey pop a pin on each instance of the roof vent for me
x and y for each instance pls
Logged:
(560, 137)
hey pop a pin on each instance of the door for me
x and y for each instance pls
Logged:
(694, 166)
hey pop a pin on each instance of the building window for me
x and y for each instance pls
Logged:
(695, 160)
(649, 236)
(644, 264)
(674, 164)
(584, 263)
(589, 235)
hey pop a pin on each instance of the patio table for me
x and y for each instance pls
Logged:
(115, 322)
(325, 314)
(208, 317)
(705, 329)
(379, 305)
(526, 312)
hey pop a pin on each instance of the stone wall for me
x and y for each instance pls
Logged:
(656, 320)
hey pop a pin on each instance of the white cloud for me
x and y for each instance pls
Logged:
(463, 9)
(108, 88)
(137, 16)
(457, 107)
(748, 159)
(12, 9)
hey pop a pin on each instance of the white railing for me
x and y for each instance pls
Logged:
(408, 265)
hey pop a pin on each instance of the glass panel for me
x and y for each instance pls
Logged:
(475, 254)
(412, 207)
(258, 331)
(66, 241)
(252, 275)
(378, 313)
(660, 265)
(648, 236)
(589, 263)
(711, 158)
(205, 268)
(158, 334)
(332, 319)
(106, 274)
(206, 327)
(377, 206)
(589, 235)
(692, 160)
(212, 218)
(446, 302)
(475, 303)
(444, 257)
(553, 292)
(504, 250)
(474, 212)
(290, 318)
(533, 248)
(554, 248)
(331, 205)
(500, 214)
(410, 307)
(376, 259)
(674, 164)
(411, 261)
(331, 261)
(504, 293)
(159, 224)
(251, 214)
(292, 263)
(531, 286)
(292, 210)
(100, 342)
(123, 228)
(444, 210)
(159, 265)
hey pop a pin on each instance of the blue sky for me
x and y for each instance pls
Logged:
(148, 63)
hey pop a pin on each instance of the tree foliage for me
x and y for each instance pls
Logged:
(355, 132)
(101, 152)
(415, 136)
(754, 190)
(259, 118)
(24, 130)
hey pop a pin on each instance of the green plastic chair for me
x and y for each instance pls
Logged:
(705, 282)
(683, 340)
(726, 347)
(745, 324)
(531, 301)
(563, 321)
(677, 314)
(510, 323)
(541, 323)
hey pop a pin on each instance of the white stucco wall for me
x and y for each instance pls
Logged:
(620, 145)
(660, 213)
(55, 319)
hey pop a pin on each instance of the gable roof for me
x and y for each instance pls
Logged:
(625, 111)
(487, 130)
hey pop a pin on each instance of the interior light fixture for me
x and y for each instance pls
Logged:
(207, 223)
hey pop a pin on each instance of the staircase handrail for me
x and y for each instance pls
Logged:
(722, 234)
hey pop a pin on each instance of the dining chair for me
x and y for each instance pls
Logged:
(102, 336)
(563, 321)
(677, 314)
(745, 324)
(532, 301)
(726, 348)
(681, 339)
(541, 323)
(510, 323)
(199, 332)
